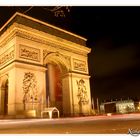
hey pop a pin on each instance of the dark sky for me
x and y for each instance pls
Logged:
(113, 33)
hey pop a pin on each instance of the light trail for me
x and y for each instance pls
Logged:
(70, 120)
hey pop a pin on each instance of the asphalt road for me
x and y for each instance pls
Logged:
(116, 124)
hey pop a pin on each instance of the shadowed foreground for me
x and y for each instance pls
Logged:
(118, 124)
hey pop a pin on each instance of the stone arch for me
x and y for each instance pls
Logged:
(57, 58)
(4, 95)
(3, 80)
(57, 66)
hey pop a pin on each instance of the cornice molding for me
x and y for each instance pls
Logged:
(6, 38)
(52, 38)
(41, 22)
(43, 38)
(77, 75)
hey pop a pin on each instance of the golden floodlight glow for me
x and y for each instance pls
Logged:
(40, 70)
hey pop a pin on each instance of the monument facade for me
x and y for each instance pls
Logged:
(42, 66)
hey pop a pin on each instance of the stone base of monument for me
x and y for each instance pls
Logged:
(30, 114)
(26, 114)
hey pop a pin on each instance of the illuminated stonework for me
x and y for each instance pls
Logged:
(30, 88)
(79, 65)
(7, 56)
(29, 53)
(82, 92)
(42, 66)
(56, 55)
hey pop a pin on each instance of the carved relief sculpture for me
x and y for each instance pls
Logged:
(6, 56)
(29, 53)
(30, 88)
(79, 65)
(82, 92)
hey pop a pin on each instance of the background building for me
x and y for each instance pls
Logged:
(122, 106)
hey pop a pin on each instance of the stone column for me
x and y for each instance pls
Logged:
(51, 80)
(68, 108)
(11, 92)
(2, 90)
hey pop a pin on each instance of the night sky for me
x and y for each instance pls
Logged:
(113, 34)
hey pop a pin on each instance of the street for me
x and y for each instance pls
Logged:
(115, 124)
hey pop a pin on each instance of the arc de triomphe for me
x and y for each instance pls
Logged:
(42, 66)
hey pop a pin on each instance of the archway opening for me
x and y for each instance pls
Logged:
(54, 87)
(4, 98)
